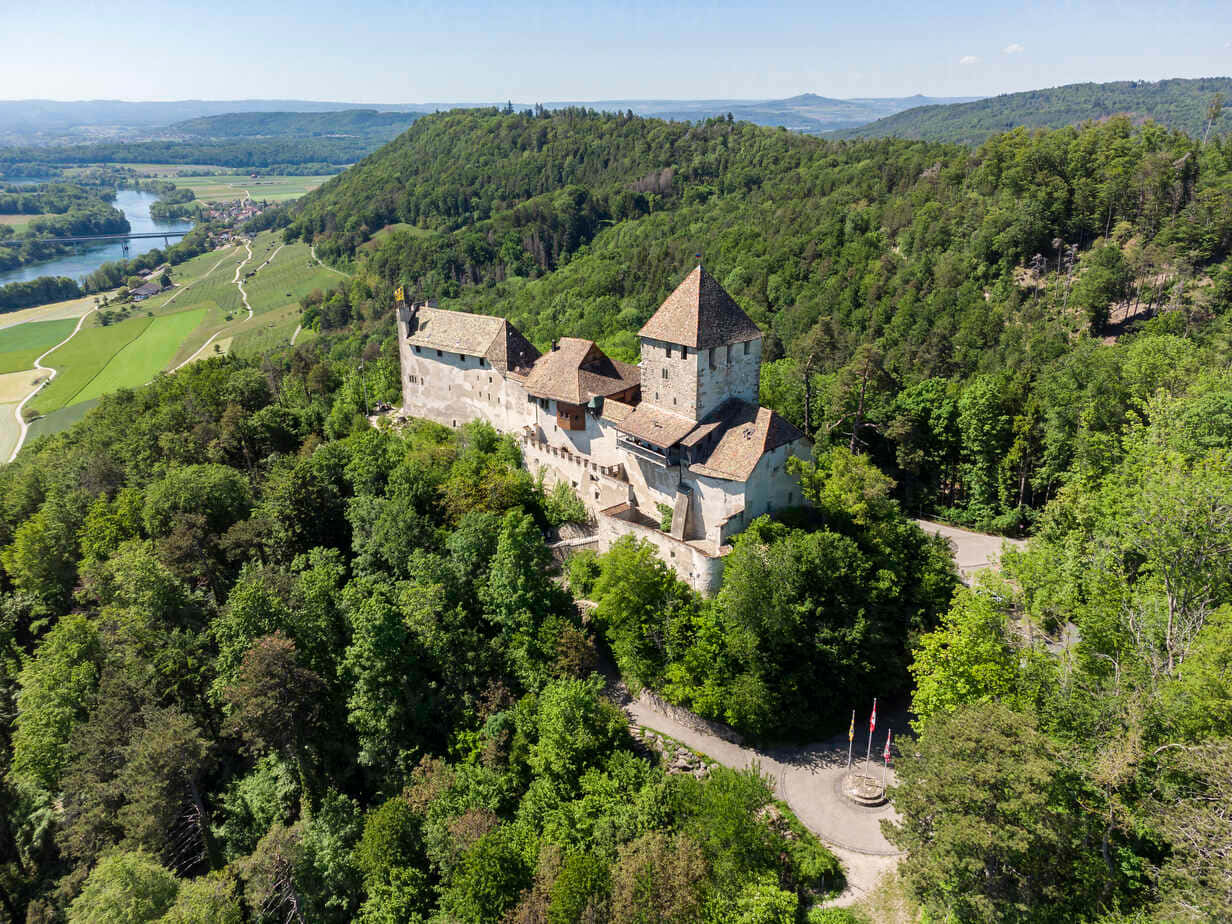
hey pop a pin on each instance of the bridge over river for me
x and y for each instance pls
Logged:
(122, 236)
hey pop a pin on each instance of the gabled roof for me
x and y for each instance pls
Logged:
(576, 370)
(655, 426)
(495, 339)
(700, 314)
(742, 433)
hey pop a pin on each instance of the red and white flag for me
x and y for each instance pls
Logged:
(872, 719)
(886, 752)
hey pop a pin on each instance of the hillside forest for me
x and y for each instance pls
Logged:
(266, 661)
(1178, 103)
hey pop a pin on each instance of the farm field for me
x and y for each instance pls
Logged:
(267, 331)
(21, 345)
(52, 423)
(83, 358)
(143, 357)
(203, 316)
(291, 275)
(228, 187)
(17, 222)
(53, 311)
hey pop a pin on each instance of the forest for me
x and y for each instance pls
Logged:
(45, 289)
(940, 309)
(266, 661)
(1177, 103)
(60, 210)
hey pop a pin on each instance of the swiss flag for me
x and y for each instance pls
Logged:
(886, 752)
(872, 719)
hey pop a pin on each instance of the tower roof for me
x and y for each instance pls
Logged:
(700, 314)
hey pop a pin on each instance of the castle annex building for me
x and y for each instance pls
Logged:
(682, 429)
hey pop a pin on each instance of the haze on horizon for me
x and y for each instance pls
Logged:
(477, 51)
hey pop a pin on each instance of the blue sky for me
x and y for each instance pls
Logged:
(469, 51)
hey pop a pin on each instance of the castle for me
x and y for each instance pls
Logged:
(681, 431)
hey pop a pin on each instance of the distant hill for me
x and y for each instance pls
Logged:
(807, 112)
(41, 122)
(1177, 103)
(349, 122)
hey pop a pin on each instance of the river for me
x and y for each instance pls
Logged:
(136, 207)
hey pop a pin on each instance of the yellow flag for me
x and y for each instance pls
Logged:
(399, 294)
(851, 732)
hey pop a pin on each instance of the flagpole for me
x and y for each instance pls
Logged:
(871, 722)
(851, 735)
(886, 767)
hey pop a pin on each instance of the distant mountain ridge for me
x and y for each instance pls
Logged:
(34, 121)
(353, 122)
(1177, 103)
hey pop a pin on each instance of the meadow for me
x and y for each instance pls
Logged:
(21, 345)
(228, 187)
(144, 356)
(17, 222)
(205, 309)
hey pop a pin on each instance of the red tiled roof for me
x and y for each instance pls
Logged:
(662, 428)
(577, 370)
(493, 338)
(700, 314)
(743, 434)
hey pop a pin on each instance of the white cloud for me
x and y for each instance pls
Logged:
(1014, 49)
(968, 59)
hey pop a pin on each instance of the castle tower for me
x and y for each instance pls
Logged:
(699, 350)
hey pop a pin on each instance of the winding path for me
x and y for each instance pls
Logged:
(239, 284)
(23, 426)
(312, 249)
(806, 778)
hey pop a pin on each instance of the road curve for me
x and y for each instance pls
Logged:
(23, 427)
(807, 779)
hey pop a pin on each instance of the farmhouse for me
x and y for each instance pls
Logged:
(678, 438)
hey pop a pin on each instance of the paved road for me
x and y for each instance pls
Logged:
(972, 551)
(807, 779)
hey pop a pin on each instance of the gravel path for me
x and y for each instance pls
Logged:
(972, 551)
(807, 779)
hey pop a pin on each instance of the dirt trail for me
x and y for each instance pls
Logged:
(23, 426)
(313, 250)
(239, 284)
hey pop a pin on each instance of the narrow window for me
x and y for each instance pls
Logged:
(746, 348)
(416, 351)
(665, 372)
(684, 352)
(729, 354)
(439, 353)
(669, 351)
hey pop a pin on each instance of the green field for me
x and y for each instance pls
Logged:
(21, 345)
(291, 275)
(83, 358)
(229, 187)
(165, 330)
(59, 420)
(144, 357)
(17, 222)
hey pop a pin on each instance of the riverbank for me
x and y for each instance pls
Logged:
(135, 204)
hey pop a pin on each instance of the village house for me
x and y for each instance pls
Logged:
(679, 437)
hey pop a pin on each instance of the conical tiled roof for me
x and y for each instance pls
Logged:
(700, 314)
